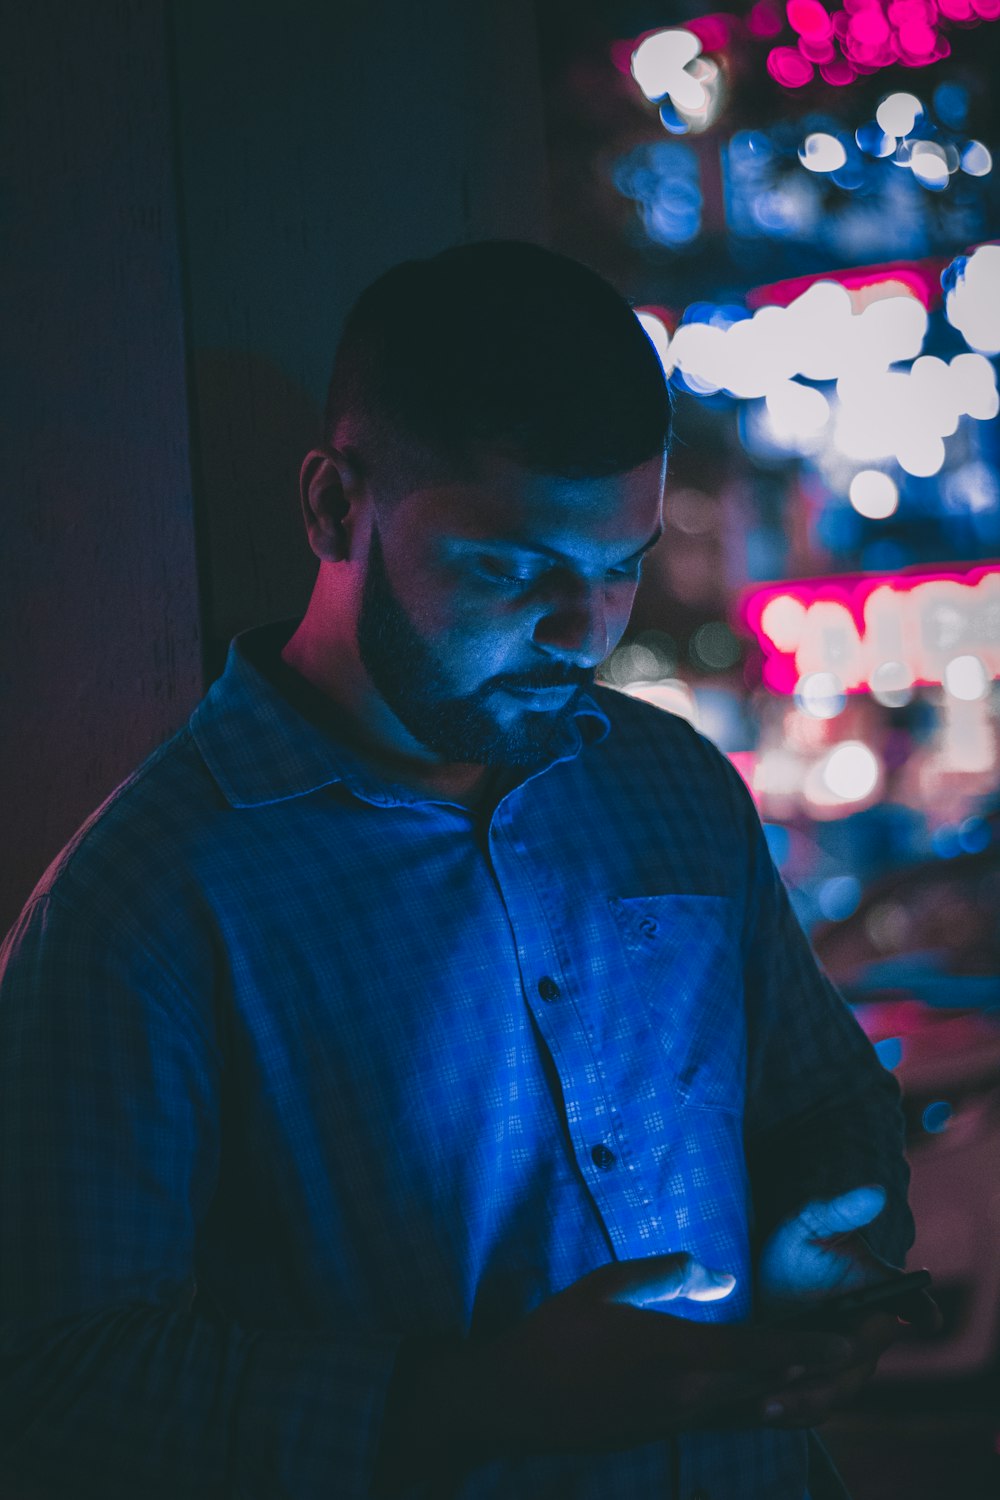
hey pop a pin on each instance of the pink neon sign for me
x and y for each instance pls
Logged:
(922, 278)
(920, 619)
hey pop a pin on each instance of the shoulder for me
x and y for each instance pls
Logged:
(664, 744)
(128, 869)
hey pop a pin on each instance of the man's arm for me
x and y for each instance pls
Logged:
(823, 1114)
(111, 1384)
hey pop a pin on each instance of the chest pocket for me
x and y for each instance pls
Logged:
(684, 955)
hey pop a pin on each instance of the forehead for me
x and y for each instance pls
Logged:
(504, 502)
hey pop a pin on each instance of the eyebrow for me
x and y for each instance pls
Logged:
(540, 549)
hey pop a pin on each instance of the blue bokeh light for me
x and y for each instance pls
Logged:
(937, 1116)
(890, 1052)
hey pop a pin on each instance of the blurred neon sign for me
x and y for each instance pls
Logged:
(922, 625)
(918, 278)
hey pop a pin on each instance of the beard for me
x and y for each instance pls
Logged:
(412, 680)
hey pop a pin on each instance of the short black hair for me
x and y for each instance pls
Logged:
(500, 346)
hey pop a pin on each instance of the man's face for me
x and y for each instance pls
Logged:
(486, 606)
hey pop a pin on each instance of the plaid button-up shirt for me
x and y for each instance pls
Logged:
(296, 1064)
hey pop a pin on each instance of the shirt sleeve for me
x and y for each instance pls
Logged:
(823, 1115)
(113, 1382)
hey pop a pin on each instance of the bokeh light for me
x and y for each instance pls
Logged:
(965, 678)
(873, 494)
(898, 113)
(973, 300)
(821, 152)
(659, 63)
(821, 695)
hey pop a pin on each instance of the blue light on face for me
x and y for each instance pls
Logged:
(936, 1116)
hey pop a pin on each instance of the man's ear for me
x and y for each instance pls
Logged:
(329, 488)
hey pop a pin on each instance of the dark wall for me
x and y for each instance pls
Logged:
(320, 144)
(197, 193)
(99, 622)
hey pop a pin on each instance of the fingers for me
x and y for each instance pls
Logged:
(703, 1285)
(806, 1403)
(771, 1349)
(840, 1215)
(875, 1333)
(922, 1314)
(663, 1278)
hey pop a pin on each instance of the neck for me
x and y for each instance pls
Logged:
(325, 654)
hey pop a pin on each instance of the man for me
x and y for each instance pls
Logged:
(413, 1079)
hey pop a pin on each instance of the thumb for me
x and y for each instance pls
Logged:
(840, 1215)
(655, 1279)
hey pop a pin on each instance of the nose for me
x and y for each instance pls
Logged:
(574, 627)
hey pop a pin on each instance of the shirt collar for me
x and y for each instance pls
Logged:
(261, 749)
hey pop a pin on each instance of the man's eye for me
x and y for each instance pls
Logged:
(627, 575)
(509, 580)
(526, 580)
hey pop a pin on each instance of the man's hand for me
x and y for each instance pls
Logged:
(599, 1367)
(820, 1252)
(815, 1255)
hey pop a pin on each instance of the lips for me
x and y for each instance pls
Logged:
(550, 697)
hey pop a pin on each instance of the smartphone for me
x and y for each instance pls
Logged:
(836, 1313)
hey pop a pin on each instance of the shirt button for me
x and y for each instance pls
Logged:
(602, 1157)
(547, 988)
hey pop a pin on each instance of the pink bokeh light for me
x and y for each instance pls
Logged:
(788, 67)
(839, 73)
(712, 31)
(765, 19)
(872, 34)
(917, 39)
(809, 18)
(869, 27)
(817, 51)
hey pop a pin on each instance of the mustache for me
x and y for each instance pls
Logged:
(581, 678)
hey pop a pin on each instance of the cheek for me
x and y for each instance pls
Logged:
(477, 645)
(619, 611)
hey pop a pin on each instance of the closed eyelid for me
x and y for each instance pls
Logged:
(529, 556)
(552, 555)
